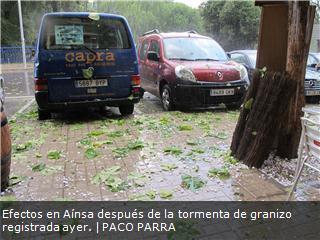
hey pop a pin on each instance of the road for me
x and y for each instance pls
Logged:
(19, 89)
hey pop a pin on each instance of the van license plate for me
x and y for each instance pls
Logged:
(313, 92)
(222, 92)
(91, 83)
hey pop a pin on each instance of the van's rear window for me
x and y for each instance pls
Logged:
(73, 33)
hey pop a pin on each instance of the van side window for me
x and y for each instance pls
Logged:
(154, 46)
(143, 50)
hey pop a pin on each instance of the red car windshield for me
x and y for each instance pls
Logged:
(193, 49)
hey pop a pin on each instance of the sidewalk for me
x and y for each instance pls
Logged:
(153, 155)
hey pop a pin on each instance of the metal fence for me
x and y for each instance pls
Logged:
(13, 54)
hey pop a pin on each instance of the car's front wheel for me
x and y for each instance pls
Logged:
(43, 114)
(126, 110)
(166, 98)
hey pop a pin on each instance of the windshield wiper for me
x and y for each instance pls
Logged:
(207, 59)
(84, 46)
(182, 59)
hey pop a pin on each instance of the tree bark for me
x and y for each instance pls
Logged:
(260, 117)
(301, 17)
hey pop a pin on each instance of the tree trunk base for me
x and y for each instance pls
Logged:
(260, 117)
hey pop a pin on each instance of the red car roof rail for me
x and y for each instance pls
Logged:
(151, 31)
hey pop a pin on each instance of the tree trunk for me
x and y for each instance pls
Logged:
(270, 119)
(260, 117)
(299, 35)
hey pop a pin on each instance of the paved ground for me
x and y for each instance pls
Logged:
(152, 155)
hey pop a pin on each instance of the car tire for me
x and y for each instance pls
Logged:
(166, 98)
(141, 92)
(103, 110)
(43, 114)
(126, 110)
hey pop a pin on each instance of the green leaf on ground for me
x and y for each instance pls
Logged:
(85, 142)
(139, 197)
(14, 180)
(229, 159)
(115, 134)
(165, 194)
(95, 133)
(54, 154)
(121, 152)
(192, 183)
(116, 184)
(98, 144)
(22, 147)
(217, 152)
(103, 175)
(45, 170)
(38, 155)
(219, 172)
(221, 135)
(51, 170)
(109, 178)
(134, 145)
(151, 194)
(137, 122)
(164, 121)
(185, 128)
(91, 153)
(38, 167)
(197, 150)
(76, 126)
(120, 122)
(192, 143)
(173, 150)
(168, 166)
(138, 179)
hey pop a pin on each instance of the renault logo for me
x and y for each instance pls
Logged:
(220, 75)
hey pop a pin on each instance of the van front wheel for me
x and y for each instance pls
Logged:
(43, 114)
(126, 110)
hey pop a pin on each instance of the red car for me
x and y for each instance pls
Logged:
(189, 70)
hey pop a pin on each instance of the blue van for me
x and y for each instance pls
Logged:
(85, 60)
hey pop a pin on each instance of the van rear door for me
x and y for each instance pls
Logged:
(85, 58)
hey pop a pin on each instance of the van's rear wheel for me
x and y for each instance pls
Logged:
(166, 98)
(126, 110)
(43, 114)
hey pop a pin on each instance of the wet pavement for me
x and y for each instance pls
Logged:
(19, 87)
(152, 155)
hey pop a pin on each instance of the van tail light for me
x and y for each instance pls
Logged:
(41, 84)
(135, 80)
(135, 85)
